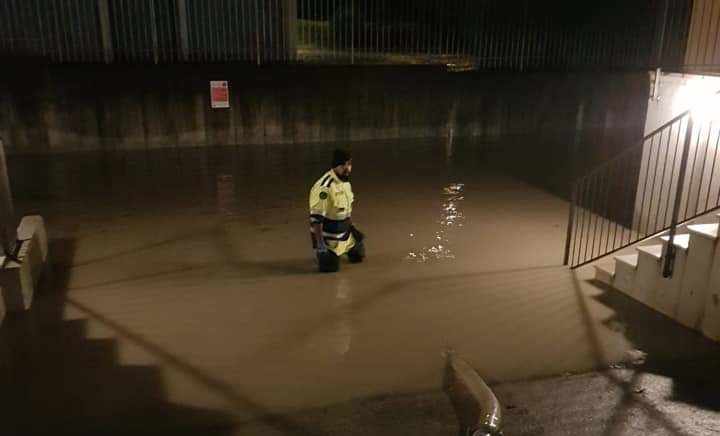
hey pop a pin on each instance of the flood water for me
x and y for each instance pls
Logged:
(197, 263)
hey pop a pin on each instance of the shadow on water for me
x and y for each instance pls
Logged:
(636, 319)
(691, 361)
(55, 380)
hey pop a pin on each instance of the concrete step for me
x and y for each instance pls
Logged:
(680, 241)
(667, 290)
(654, 251)
(605, 273)
(709, 231)
(625, 269)
(630, 260)
(648, 273)
(710, 323)
(698, 270)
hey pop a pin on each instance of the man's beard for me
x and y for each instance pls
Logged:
(344, 177)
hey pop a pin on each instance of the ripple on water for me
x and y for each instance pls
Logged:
(451, 218)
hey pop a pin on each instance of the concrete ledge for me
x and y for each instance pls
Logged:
(477, 408)
(34, 225)
(18, 280)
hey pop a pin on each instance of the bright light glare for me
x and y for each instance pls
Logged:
(700, 95)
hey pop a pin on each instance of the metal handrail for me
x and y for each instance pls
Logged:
(635, 147)
(654, 186)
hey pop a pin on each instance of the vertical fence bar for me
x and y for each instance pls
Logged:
(474, 44)
(142, 37)
(154, 32)
(670, 256)
(592, 183)
(56, 31)
(712, 169)
(581, 222)
(624, 201)
(662, 178)
(702, 170)
(365, 20)
(711, 17)
(571, 219)
(654, 179)
(592, 188)
(239, 27)
(41, 28)
(629, 206)
(607, 214)
(257, 33)
(134, 46)
(106, 37)
(645, 184)
(672, 171)
(619, 217)
(692, 172)
(79, 37)
(597, 210)
(573, 229)
(662, 25)
(302, 21)
(579, 212)
(326, 25)
(715, 43)
(602, 176)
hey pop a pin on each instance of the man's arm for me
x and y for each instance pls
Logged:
(318, 235)
(319, 205)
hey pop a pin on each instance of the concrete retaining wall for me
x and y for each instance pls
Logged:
(79, 108)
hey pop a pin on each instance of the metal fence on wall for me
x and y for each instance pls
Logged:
(513, 35)
(702, 54)
(509, 35)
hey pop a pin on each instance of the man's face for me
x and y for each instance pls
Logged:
(344, 170)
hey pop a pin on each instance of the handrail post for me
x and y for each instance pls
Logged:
(570, 222)
(670, 254)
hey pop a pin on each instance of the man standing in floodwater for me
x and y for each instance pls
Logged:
(331, 227)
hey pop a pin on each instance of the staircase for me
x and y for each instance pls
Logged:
(691, 296)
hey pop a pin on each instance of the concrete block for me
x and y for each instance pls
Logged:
(34, 225)
(667, 290)
(648, 273)
(710, 324)
(19, 280)
(625, 274)
(605, 274)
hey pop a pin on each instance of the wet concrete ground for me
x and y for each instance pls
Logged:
(183, 295)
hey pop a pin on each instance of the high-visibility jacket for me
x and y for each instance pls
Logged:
(331, 202)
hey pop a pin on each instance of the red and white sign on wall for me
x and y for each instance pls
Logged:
(219, 94)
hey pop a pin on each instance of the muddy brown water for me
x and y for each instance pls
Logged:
(196, 262)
